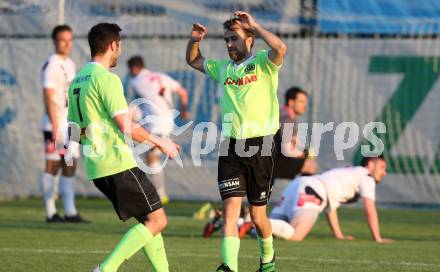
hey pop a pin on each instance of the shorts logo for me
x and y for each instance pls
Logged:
(263, 195)
(225, 184)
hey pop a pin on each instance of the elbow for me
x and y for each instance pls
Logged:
(188, 60)
(121, 126)
(122, 129)
(282, 49)
(191, 62)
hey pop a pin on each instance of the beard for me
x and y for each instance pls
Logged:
(114, 62)
(236, 55)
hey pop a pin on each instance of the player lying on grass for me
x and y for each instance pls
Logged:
(306, 197)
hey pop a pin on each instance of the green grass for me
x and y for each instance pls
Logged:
(27, 243)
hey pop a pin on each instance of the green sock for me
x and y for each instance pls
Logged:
(266, 249)
(155, 252)
(133, 240)
(230, 247)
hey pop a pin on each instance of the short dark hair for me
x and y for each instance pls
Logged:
(59, 29)
(292, 92)
(366, 160)
(232, 22)
(135, 61)
(101, 36)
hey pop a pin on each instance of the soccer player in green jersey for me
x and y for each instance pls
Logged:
(250, 108)
(98, 108)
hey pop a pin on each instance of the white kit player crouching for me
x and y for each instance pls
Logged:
(56, 75)
(157, 90)
(306, 197)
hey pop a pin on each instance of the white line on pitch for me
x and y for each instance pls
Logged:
(328, 260)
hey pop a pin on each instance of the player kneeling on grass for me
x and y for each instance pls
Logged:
(98, 107)
(306, 197)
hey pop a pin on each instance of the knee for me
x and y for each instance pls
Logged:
(162, 222)
(230, 220)
(159, 223)
(297, 238)
(258, 217)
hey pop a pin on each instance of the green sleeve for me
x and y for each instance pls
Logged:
(213, 68)
(263, 59)
(112, 95)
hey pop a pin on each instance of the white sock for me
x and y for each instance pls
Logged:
(47, 187)
(158, 179)
(67, 191)
(281, 229)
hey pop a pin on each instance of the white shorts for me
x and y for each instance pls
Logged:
(55, 150)
(157, 123)
(304, 193)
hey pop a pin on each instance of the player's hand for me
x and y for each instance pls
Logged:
(198, 32)
(168, 147)
(247, 21)
(385, 241)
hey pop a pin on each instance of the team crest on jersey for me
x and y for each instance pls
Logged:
(249, 68)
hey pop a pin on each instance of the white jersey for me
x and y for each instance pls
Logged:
(345, 184)
(331, 189)
(56, 74)
(303, 193)
(157, 89)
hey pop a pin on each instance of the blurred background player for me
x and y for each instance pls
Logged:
(98, 103)
(157, 89)
(249, 85)
(56, 75)
(292, 158)
(306, 197)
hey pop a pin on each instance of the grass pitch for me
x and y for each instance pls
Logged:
(27, 243)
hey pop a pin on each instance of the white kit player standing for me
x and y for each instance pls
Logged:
(56, 75)
(157, 89)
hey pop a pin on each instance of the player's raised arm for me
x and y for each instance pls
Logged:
(278, 47)
(373, 220)
(194, 57)
(333, 221)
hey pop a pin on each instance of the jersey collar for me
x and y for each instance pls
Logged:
(238, 66)
(95, 62)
